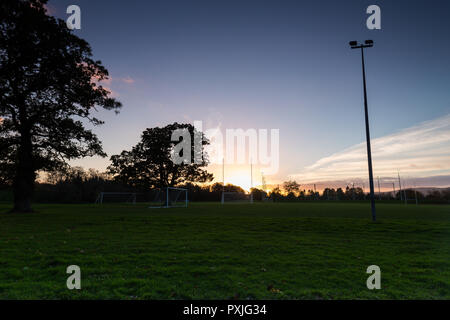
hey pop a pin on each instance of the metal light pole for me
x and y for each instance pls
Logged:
(355, 45)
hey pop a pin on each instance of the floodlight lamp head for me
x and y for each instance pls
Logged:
(369, 42)
(353, 43)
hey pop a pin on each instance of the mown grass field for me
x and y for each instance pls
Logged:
(209, 251)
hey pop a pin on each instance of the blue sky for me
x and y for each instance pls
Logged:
(269, 64)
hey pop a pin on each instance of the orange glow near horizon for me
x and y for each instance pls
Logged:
(238, 175)
(239, 180)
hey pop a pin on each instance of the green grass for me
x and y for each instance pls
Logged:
(209, 251)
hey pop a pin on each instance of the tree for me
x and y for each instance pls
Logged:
(258, 194)
(340, 195)
(49, 86)
(149, 164)
(233, 188)
(291, 187)
(275, 194)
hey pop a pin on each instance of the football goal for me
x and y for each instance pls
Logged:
(236, 197)
(116, 197)
(169, 197)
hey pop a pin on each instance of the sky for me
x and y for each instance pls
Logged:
(282, 65)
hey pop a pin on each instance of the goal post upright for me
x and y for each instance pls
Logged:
(251, 180)
(167, 197)
(251, 175)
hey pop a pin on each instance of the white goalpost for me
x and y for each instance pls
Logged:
(116, 197)
(169, 197)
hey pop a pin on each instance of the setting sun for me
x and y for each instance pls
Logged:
(240, 175)
(241, 179)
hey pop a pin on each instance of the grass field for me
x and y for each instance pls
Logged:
(209, 251)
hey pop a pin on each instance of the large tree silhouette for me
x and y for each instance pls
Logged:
(149, 164)
(49, 88)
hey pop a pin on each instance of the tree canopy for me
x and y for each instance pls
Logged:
(149, 164)
(291, 187)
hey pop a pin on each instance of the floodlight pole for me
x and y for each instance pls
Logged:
(393, 188)
(400, 186)
(366, 111)
(223, 181)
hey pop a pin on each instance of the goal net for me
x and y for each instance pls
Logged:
(168, 198)
(116, 197)
(236, 197)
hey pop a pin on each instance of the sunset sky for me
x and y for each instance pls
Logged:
(281, 65)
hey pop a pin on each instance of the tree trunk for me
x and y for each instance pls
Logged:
(23, 193)
(23, 186)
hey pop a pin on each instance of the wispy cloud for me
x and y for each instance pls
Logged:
(110, 81)
(420, 151)
(128, 80)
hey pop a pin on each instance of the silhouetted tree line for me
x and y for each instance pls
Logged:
(292, 191)
(77, 185)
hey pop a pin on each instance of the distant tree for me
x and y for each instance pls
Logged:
(233, 188)
(302, 194)
(340, 194)
(48, 86)
(149, 164)
(354, 193)
(348, 194)
(446, 194)
(330, 194)
(433, 195)
(412, 194)
(291, 187)
(216, 187)
(290, 196)
(258, 194)
(275, 194)
(312, 195)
